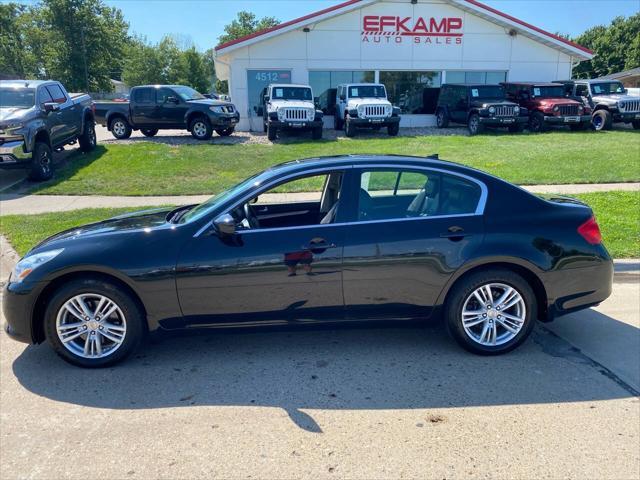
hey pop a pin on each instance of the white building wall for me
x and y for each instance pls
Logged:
(337, 44)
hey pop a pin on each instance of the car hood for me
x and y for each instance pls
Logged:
(11, 114)
(209, 102)
(356, 102)
(487, 102)
(291, 103)
(616, 97)
(145, 220)
(550, 102)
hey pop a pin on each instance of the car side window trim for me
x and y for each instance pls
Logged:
(479, 209)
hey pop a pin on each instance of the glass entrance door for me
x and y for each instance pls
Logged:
(258, 80)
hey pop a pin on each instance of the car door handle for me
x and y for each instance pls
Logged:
(319, 246)
(454, 233)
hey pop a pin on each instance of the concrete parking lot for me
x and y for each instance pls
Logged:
(352, 403)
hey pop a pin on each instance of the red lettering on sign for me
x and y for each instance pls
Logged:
(371, 23)
(401, 25)
(454, 24)
(438, 27)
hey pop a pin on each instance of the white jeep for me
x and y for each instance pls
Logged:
(290, 107)
(365, 105)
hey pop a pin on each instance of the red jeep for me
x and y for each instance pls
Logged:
(548, 105)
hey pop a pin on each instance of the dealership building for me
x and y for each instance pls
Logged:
(410, 46)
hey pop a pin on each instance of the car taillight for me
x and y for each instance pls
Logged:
(590, 231)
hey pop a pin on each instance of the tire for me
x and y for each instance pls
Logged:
(536, 122)
(338, 124)
(316, 133)
(602, 120)
(462, 298)
(474, 125)
(442, 119)
(41, 163)
(349, 128)
(225, 132)
(149, 132)
(393, 129)
(120, 128)
(127, 316)
(88, 140)
(515, 128)
(201, 128)
(272, 132)
(264, 127)
(636, 124)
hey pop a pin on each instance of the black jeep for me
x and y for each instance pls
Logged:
(479, 106)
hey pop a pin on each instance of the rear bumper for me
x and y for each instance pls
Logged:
(503, 121)
(574, 289)
(374, 122)
(567, 120)
(297, 125)
(13, 155)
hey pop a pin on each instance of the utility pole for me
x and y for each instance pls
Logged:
(84, 55)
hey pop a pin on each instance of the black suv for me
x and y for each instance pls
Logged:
(479, 106)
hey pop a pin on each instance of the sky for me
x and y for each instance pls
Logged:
(203, 21)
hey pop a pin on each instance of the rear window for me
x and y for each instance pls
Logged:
(144, 95)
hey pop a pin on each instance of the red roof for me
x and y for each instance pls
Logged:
(352, 2)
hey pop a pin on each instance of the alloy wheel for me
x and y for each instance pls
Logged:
(91, 326)
(493, 314)
(119, 128)
(200, 129)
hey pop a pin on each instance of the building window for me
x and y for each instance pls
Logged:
(413, 92)
(489, 78)
(324, 85)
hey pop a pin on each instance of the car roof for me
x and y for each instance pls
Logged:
(361, 84)
(470, 85)
(24, 83)
(589, 80)
(534, 84)
(160, 86)
(289, 85)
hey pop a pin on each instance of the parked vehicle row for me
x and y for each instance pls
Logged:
(161, 107)
(38, 118)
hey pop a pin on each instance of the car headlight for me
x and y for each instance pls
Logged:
(281, 115)
(622, 105)
(516, 110)
(580, 108)
(361, 111)
(217, 109)
(492, 110)
(13, 126)
(311, 114)
(28, 264)
(388, 110)
(556, 108)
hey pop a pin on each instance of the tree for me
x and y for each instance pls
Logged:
(246, 24)
(616, 48)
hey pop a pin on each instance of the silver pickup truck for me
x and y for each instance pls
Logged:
(39, 117)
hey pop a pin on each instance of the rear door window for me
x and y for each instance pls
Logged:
(145, 95)
(56, 93)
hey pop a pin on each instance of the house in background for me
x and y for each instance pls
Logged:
(629, 78)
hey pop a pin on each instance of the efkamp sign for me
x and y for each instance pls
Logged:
(389, 29)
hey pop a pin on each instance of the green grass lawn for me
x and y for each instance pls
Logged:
(158, 169)
(617, 213)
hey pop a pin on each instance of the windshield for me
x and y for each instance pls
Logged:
(548, 92)
(17, 97)
(188, 93)
(488, 91)
(219, 199)
(367, 91)
(292, 93)
(607, 88)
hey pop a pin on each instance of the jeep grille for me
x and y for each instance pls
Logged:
(631, 106)
(571, 110)
(375, 111)
(505, 111)
(296, 114)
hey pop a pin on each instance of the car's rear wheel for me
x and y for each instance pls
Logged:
(442, 119)
(602, 120)
(201, 129)
(88, 139)
(474, 125)
(92, 323)
(41, 163)
(491, 312)
(149, 132)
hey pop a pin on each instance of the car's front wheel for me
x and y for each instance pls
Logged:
(88, 139)
(442, 119)
(149, 132)
(491, 312)
(120, 128)
(602, 120)
(474, 125)
(93, 323)
(42, 163)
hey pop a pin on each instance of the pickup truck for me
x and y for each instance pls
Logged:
(289, 107)
(608, 99)
(365, 105)
(548, 105)
(162, 107)
(39, 117)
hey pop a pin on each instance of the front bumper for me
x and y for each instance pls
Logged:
(567, 119)
(503, 121)
(573, 289)
(626, 117)
(224, 120)
(373, 122)
(18, 305)
(292, 125)
(13, 155)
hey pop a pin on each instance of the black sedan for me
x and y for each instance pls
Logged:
(374, 238)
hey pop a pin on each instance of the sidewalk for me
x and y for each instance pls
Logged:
(16, 204)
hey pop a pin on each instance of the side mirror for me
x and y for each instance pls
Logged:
(225, 224)
(51, 107)
(172, 99)
(267, 99)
